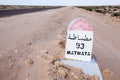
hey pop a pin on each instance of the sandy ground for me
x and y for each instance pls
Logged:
(30, 43)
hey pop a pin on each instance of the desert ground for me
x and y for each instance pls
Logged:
(31, 45)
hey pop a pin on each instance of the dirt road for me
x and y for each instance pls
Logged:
(27, 42)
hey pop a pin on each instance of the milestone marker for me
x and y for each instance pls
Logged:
(79, 47)
(79, 40)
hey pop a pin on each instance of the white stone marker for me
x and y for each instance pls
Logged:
(79, 40)
(79, 47)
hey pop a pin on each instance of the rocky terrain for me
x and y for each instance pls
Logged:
(32, 44)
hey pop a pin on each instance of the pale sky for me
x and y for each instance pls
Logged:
(60, 2)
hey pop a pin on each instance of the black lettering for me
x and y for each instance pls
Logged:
(82, 53)
(85, 53)
(68, 52)
(75, 52)
(78, 53)
(72, 52)
(88, 53)
(80, 45)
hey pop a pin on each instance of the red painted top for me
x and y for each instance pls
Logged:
(80, 24)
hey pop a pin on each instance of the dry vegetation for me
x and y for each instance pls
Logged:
(110, 10)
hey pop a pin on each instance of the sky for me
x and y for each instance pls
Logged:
(61, 2)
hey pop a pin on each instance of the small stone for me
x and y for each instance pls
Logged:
(27, 79)
(13, 59)
(80, 71)
(48, 73)
(107, 72)
(14, 76)
(73, 75)
(10, 65)
(53, 59)
(45, 51)
(29, 42)
(95, 77)
(44, 56)
(60, 36)
(16, 66)
(86, 76)
(62, 43)
(16, 51)
(58, 64)
(63, 72)
(27, 75)
(1, 56)
(38, 56)
(28, 61)
(30, 50)
(8, 56)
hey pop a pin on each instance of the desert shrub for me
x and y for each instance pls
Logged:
(100, 11)
(116, 14)
(87, 8)
(115, 9)
(118, 7)
(3, 7)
